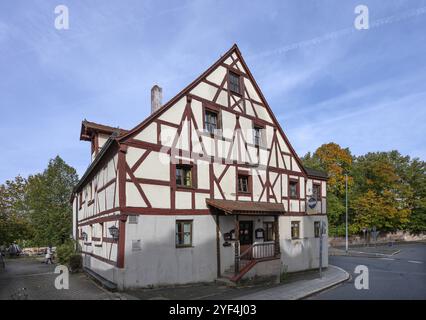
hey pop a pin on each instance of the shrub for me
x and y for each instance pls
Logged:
(65, 252)
(75, 263)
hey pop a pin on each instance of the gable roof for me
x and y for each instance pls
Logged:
(123, 135)
(193, 84)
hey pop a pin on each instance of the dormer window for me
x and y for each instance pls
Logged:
(234, 83)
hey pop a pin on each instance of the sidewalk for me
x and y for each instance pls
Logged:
(302, 288)
(296, 286)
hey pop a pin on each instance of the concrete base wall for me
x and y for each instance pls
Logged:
(159, 262)
(303, 253)
(156, 261)
(270, 269)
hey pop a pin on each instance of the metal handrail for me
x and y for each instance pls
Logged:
(267, 251)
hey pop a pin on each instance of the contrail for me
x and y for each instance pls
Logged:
(339, 33)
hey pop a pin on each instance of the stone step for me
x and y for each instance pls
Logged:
(101, 280)
(226, 281)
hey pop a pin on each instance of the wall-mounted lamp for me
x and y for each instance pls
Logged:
(114, 232)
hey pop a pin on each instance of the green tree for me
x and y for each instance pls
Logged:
(334, 160)
(379, 210)
(416, 177)
(337, 162)
(48, 202)
(14, 222)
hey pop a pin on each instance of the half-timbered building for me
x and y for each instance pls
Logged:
(207, 187)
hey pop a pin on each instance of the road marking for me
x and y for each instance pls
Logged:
(387, 259)
(414, 261)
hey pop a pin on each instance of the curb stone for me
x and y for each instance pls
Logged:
(347, 277)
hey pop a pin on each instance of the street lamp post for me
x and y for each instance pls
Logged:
(346, 218)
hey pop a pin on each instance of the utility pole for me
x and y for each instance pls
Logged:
(346, 226)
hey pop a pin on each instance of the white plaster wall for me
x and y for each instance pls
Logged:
(252, 92)
(183, 200)
(102, 138)
(203, 175)
(204, 90)
(160, 262)
(174, 114)
(294, 165)
(159, 196)
(154, 168)
(149, 134)
(303, 253)
(217, 75)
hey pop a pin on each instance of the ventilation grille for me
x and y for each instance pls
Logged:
(133, 219)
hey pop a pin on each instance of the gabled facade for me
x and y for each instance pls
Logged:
(206, 187)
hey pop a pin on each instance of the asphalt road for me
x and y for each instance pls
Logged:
(29, 279)
(401, 276)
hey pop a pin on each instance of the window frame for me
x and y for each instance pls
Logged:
(293, 227)
(261, 136)
(249, 183)
(319, 195)
(238, 76)
(317, 229)
(191, 222)
(266, 228)
(297, 182)
(80, 201)
(214, 110)
(187, 167)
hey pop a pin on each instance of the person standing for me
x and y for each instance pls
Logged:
(48, 256)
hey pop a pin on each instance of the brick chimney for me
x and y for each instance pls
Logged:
(156, 97)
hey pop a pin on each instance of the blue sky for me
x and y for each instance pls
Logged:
(365, 90)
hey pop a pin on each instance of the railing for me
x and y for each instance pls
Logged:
(255, 252)
(263, 250)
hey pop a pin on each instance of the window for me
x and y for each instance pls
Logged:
(90, 191)
(211, 121)
(184, 175)
(317, 229)
(234, 83)
(295, 229)
(257, 135)
(183, 233)
(243, 183)
(80, 198)
(269, 231)
(316, 191)
(293, 186)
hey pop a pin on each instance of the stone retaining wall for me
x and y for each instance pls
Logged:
(398, 236)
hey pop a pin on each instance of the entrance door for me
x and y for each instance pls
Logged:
(246, 233)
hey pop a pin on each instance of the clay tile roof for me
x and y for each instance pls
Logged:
(246, 207)
(87, 127)
(316, 173)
